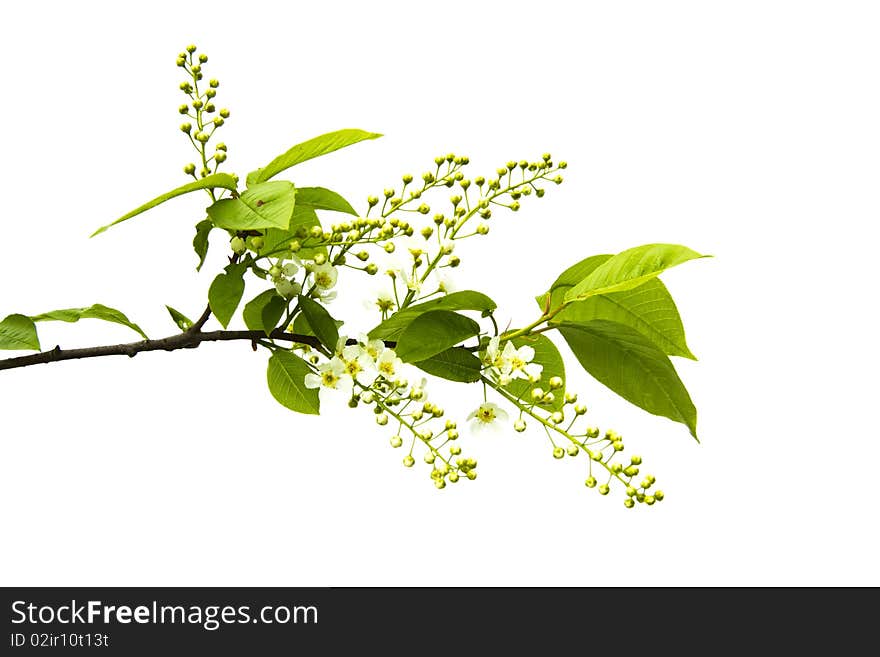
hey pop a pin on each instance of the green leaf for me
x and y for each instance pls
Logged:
(455, 364)
(632, 366)
(200, 241)
(546, 355)
(320, 198)
(433, 332)
(276, 241)
(393, 327)
(266, 205)
(301, 326)
(18, 332)
(183, 322)
(225, 294)
(319, 320)
(264, 311)
(648, 308)
(332, 141)
(630, 269)
(214, 181)
(286, 377)
(96, 311)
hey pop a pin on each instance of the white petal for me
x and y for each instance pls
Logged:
(526, 353)
(313, 381)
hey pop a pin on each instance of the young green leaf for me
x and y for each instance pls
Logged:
(263, 312)
(214, 181)
(648, 308)
(319, 320)
(549, 358)
(320, 198)
(630, 269)
(183, 322)
(225, 294)
(200, 241)
(632, 366)
(393, 327)
(432, 332)
(455, 364)
(96, 311)
(266, 205)
(332, 141)
(18, 332)
(286, 378)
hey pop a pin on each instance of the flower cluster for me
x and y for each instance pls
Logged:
(365, 362)
(509, 363)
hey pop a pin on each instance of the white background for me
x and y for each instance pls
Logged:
(748, 130)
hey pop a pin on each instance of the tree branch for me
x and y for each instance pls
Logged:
(184, 340)
(200, 322)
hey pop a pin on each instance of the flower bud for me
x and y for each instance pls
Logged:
(186, 127)
(555, 382)
(580, 409)
(371, 269)
(537, 395)
(454, 261)
(573, 450)
(563, 164)
(219, 157)
(238, 246)
(452, 434)
(210, 108)
(181, 61)
(635, 459)
(590, 482)
(408, 461)
(658, 495)
(203, 58)
(604, 489)
(396, 441)
(382, 420)
(628, 503)
(218, 122)
(191, 48)
(427, 231)
(571, 397)
(483, 229)
(224, 113)
(557, 417)
(320, 258)
(183, 109)
(189, 169)
(257, 242)
(558, 452)
(202, 137)
(214, 83)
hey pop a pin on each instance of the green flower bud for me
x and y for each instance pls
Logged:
(452, 434)
(320, 258)
(257, 242)
(558, 180)
(189, 169)
(210, 108)
(501, 171)
(295, 246)
(658, 495)
(214, 83)
(219, 157)
(197, 104)
(429, 457)
(191, 48)
(372, 200)
(203, 137)
(571, 397)
(479, 181)
(439, 160)
(519, 425)
(631, 471)
(454, 261)
(183, 109)
(218, 122)
(580, 409)
(628, 503)
(557, 417)
(396, 441)
(186, 87)
(407, 179)
(371, 269)
(537, 395)
(238, 246)
(275, 271)
(483, 229)
(455, 199)
(596, 456)
(546, 157)
(515, 206)
(563, 164)
(558, 452)
(203, 58)
(604, 489)
(316, 232)
(548, 398)
(573, 450)
(616, 468)
(471, 474)
(427, 231)
(649, 500)
(523, 164)
(224, 113)
(408, 461)
(362, 256)
(450, 157)
(539, 193)
(382, 420)
(181, 61)
(186, 127)
(590, 482)
(617, 445)
(555, 382)
(196, 68)
(453, 477)
(465, 183)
